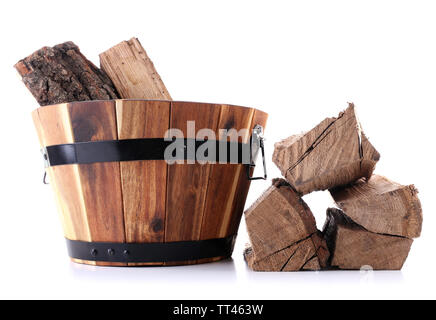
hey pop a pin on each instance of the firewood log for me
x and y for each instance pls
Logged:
(382, 206)
(132, 72)
(307, 254)
(283, 232)
(62, 74)
(352, 247)
(336, 152)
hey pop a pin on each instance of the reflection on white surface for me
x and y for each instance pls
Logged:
(225, 272)
(336, 277)
(202, 273)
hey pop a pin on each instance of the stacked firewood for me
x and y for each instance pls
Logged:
(375, 219)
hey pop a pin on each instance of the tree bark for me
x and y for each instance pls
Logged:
(62, 74)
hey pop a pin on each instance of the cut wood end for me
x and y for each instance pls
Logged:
(336, 152)
(282, 232)
(305, 255)
(352, 247)
(382, 206)
(278, 219)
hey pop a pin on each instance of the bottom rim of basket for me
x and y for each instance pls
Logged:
(151, 252)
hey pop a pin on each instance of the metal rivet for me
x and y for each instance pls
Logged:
(126, 252)
(111, 252)
(94, 252)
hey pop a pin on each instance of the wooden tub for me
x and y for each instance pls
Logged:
(145, 212)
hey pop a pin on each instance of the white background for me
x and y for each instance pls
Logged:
(300, 61)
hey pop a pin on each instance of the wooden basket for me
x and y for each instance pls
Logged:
(107, 205)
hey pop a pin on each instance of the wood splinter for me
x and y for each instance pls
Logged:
(336, 152)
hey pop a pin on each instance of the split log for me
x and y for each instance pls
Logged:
(283, 232)
(382, 206)
(336, 152)
(353, 247)
(62, 74)
(309, 254)
(132, 72)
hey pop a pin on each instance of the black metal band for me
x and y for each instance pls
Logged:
(143, 149)
(151, 252)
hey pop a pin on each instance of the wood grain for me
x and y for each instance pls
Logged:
(79, 188)
(336, 152)
(224, 178)
(187, 183)
(308, 254)
(278, 219)
(283, 233)
(353, 247)
(382, 206)
(94, 122)
(144, 183)
(132, 72)
(54, 127)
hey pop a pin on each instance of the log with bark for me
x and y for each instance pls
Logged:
(336, 152)
(283, 232)
(62, 74)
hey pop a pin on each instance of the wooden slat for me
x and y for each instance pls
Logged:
(132, 72)
(101, 182)
(143, 182)
(186, 191)
(87, 214)
(243, 185)
(93, 121)
(54, 127)
(224, 178)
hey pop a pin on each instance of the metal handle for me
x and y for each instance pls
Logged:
(256, 144)
(46, 164)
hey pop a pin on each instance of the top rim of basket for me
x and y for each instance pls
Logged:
(163, 100)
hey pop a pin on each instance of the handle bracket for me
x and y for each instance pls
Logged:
(256, 144)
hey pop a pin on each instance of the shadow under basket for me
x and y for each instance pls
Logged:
(121, 203)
